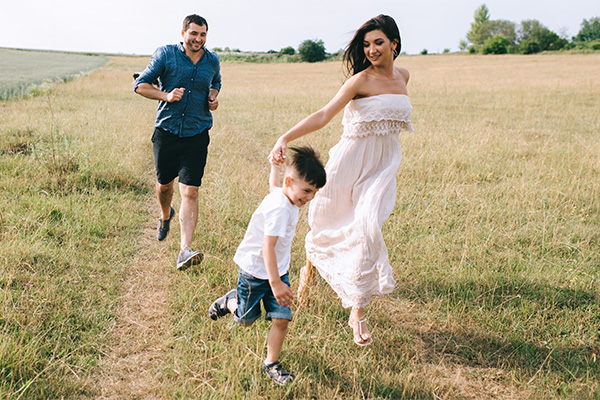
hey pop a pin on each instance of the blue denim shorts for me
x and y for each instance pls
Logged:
(250, 291)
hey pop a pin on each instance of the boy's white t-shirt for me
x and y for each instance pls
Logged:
(275, 216)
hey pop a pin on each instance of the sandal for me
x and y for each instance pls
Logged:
(276, 372)
(352, 322)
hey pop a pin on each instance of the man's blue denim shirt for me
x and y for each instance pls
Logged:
(190, 115)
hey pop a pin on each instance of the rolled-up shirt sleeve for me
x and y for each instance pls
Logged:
(216, 82)
(155, 68)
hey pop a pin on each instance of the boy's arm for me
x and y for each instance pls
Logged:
(282, 292)
(274, 177)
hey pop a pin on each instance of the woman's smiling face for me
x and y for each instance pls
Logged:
(378, 48)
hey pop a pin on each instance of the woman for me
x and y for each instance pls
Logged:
(345, 243)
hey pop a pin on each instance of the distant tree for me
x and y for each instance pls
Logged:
(533, 31)
(312, 50)
(590, 30)
(526, 27)
(484, 28)
(424, 51)
(290, 51)
(505, 28)
(480, 28)
(496, 45)
(463, 45)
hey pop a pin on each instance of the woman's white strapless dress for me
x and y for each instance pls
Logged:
(345, 243)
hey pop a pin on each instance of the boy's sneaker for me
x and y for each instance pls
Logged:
(219, 307)
(189, 257)
(276, 372)
(164, 226)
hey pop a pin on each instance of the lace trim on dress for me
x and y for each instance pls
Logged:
(354, 115)
(379, 128)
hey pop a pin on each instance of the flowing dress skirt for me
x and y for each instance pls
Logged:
(345, 242)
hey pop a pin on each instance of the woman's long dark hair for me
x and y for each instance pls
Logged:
(354, 57)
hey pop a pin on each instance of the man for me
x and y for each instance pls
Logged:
(190, 80)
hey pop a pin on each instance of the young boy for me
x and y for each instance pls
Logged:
(264, 255)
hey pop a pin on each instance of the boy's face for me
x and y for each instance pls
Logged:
(298, 191)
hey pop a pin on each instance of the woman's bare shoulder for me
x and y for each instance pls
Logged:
(404, 73)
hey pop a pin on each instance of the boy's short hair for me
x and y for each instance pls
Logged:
(307, 165)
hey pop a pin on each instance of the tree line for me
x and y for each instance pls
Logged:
(308, 51)
(488, 36)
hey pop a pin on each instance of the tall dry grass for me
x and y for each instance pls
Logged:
(494, 239)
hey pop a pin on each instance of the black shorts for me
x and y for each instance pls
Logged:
(183, 157)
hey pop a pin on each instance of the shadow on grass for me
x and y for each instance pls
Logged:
(368, 384)
(521, 300)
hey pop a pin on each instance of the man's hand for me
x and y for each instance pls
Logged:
(213, 103)
(175, 94)
(283, 294)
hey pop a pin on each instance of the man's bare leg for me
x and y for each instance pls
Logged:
(188, 218)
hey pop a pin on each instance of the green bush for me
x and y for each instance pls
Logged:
(290, 51)
(496, 45)
(528, 47)
(312, 51)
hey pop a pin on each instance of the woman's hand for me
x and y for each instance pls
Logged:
(277, 155)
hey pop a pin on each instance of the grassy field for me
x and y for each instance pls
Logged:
(22, 70)
(495, 241)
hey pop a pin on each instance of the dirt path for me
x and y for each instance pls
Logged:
(131, 369)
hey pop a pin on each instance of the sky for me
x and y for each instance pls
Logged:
(139, 27)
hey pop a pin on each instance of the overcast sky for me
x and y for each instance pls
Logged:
(138, 27)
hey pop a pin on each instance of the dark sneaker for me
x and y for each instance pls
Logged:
(189, 257)
(276, 372)
(164, 226)
(219, 307)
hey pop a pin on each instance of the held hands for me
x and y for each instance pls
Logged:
(175, 95)
(275, 162)
(283, 294)
(277, 155)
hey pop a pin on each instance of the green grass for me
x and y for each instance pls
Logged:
(494, 239)
(23, 70)
(68, 225)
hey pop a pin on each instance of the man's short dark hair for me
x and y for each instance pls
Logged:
(305, 161)
(194, 19)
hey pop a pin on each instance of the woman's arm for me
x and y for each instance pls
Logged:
(318, 119)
